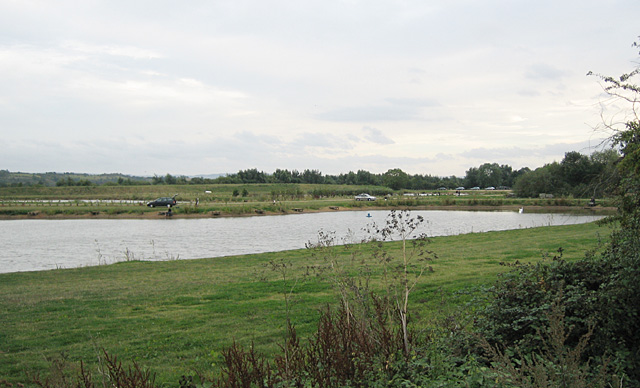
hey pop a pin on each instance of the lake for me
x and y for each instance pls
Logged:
(29, 245)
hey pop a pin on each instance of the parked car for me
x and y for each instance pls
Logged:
(163, 201)
(490, 188)
(460, 188)
(365, 197)
(475, 188)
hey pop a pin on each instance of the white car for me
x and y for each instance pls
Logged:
(365, 197)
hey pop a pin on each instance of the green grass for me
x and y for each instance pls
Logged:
(44, 201)
(176, 316)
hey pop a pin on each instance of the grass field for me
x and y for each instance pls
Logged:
(176, 316)
(218, 200)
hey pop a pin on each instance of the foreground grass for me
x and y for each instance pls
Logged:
(175, 316)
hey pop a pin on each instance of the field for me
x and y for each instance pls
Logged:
(176, 316)
(220, 201)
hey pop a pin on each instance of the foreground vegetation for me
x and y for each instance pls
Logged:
(176, 317)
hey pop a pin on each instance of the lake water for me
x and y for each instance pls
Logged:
(29, 245)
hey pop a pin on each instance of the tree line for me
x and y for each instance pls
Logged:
(576, 175)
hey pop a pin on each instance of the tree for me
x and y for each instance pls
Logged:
(312, 176)
(396, 179)
(546, 179)
(490, 174)
(252, 176)
(157, 180)
(365, 178)
(282, 176)
(170, 179)
(576, 168)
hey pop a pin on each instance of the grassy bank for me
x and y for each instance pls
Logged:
(176, 316)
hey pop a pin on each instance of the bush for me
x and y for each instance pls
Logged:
(601, 289)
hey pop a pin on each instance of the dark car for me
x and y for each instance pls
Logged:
(163, 201)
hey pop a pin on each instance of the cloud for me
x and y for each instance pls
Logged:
(334, 86)
(519, 154)
(376, 136)
(393, 109)
(546, 72)
(112, 50)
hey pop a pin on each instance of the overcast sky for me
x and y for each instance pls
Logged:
(199, 87)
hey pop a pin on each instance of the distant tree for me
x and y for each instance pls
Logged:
(252, 176)
(364, 178)
(546, 179)
(507, 175)
(471, 177)
(312, 176)
(282, 176)
(170, 179)
(490, 174)
(396, 179)
(576, 168)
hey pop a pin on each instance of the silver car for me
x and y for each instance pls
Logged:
(365, 197)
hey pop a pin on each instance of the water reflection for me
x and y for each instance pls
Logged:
(48, 244)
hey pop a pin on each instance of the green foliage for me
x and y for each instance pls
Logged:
(576, 175)
(600, 289)
(553, 365)
(492, 174)
(396, 179)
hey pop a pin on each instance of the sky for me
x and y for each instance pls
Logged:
(202, 87)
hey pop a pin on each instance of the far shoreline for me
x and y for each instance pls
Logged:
(150, 215)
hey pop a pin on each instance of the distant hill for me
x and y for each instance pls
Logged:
(8, 178)
(208, 176)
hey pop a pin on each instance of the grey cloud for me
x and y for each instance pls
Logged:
(375, 135)
(319, 140)
(528, 92)
(549, 152)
